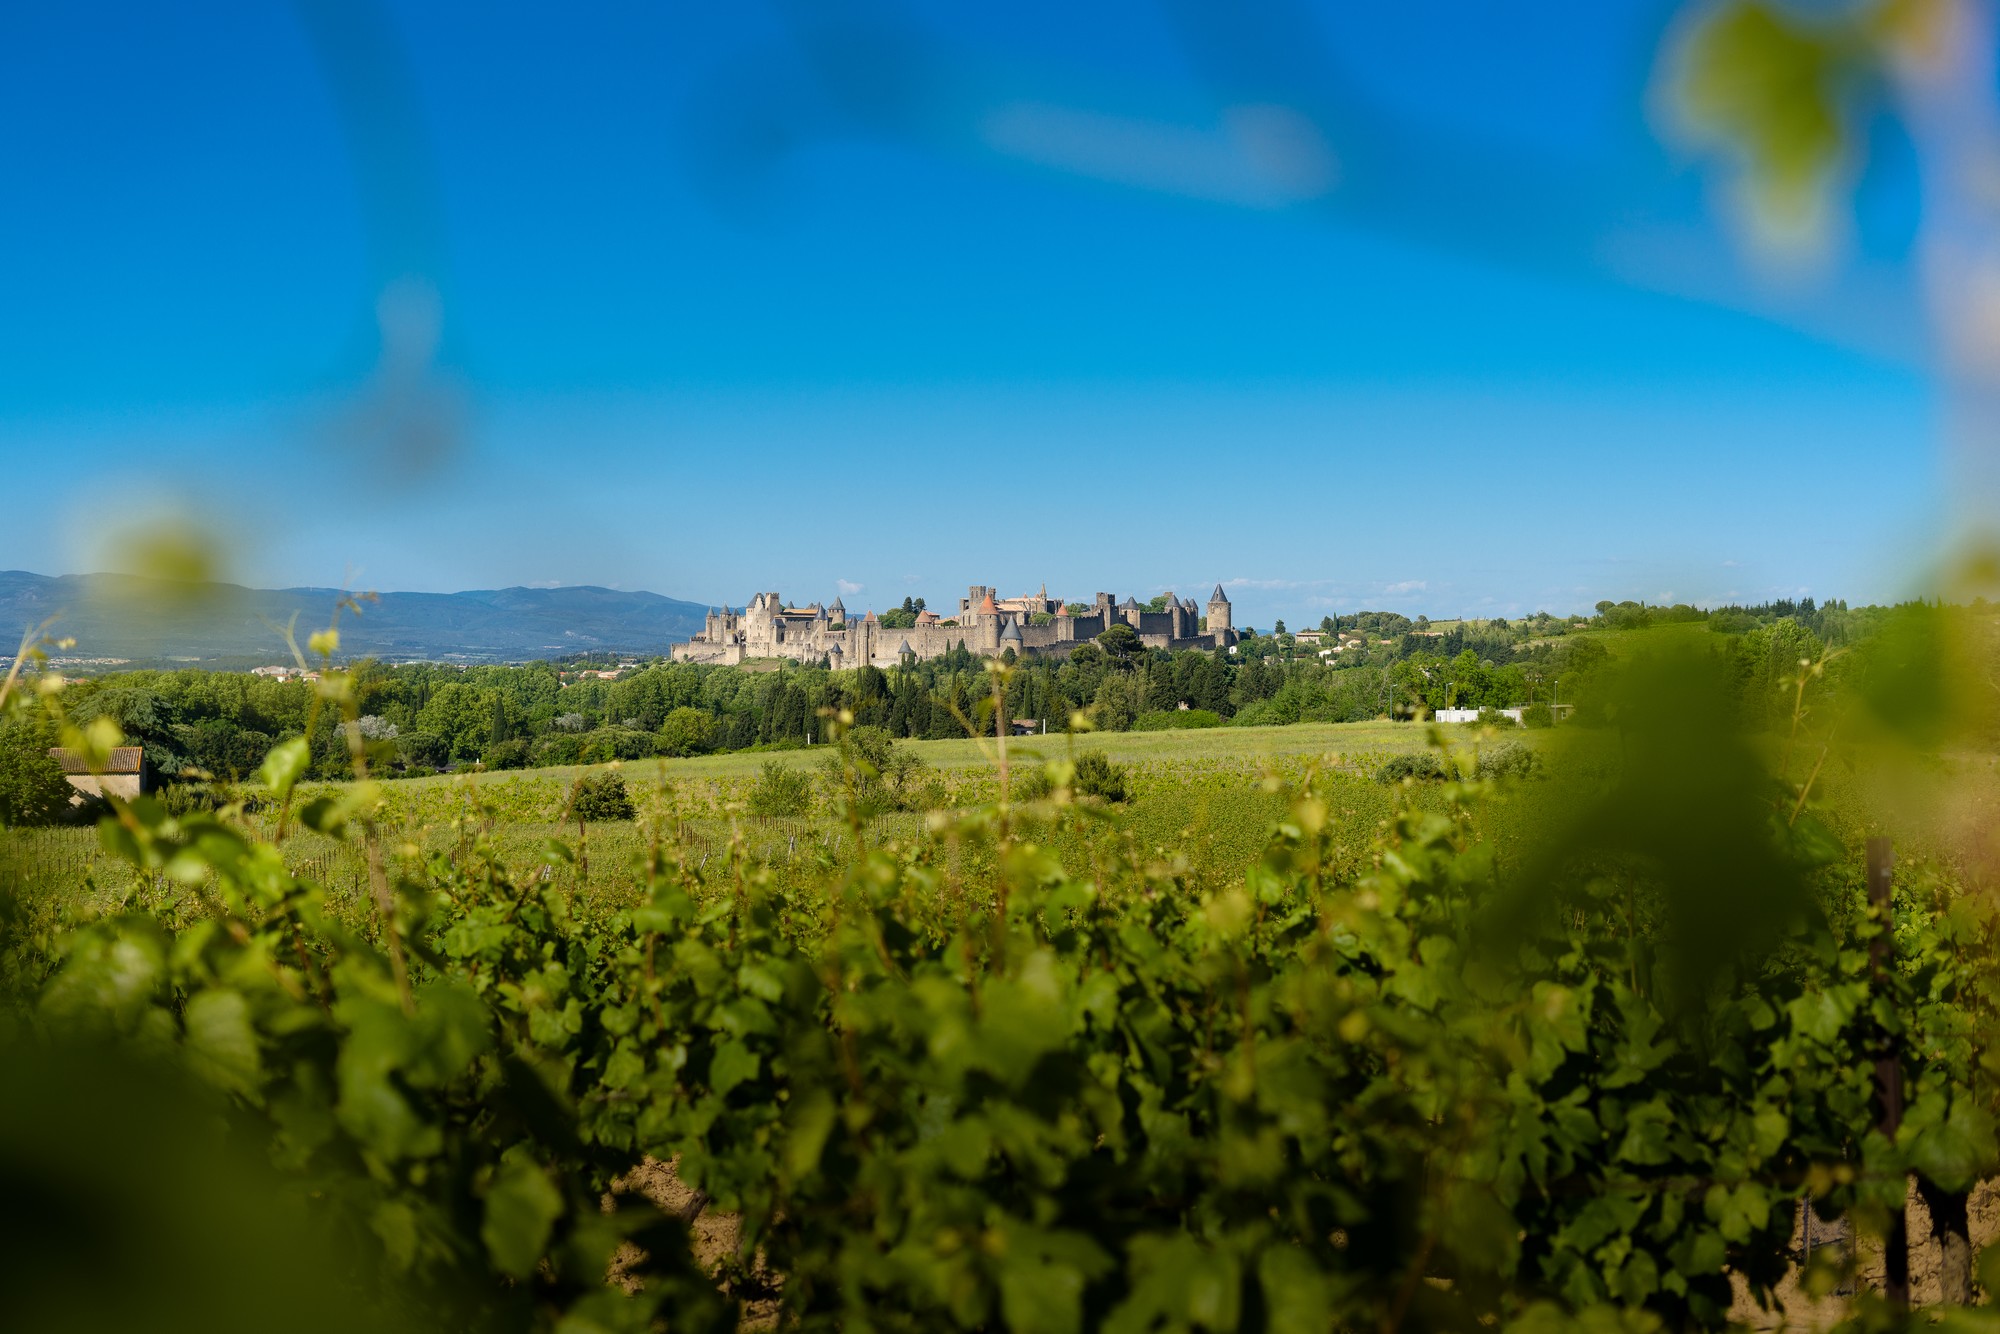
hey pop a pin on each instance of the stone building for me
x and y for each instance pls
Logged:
(123, 773)
(986, 625)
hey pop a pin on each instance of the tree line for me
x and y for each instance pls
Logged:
(426, 718)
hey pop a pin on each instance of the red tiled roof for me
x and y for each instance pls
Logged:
(123, 760)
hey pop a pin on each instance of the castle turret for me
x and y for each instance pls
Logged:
(1218, 615)
(986, 620)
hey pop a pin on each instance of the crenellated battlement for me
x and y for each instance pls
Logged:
(985, 624)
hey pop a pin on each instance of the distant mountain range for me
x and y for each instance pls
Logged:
(150, 620)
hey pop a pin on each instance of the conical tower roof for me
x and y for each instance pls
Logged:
(906, 650)
(1012, 633)
(986, 605)
(1217, 595)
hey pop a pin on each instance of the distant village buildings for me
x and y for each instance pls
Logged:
(285, 673)
(986, 625)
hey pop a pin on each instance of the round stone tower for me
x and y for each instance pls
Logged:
(1218, 614)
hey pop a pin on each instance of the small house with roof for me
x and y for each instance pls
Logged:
(122, 775)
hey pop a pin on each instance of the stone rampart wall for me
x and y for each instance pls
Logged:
(871, 642)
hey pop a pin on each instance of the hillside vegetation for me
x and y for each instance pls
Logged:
(1227, 1029)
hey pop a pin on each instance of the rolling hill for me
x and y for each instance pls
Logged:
(128, 617)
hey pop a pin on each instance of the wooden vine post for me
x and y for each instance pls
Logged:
(1888, 1068)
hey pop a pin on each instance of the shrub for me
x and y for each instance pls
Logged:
(1731, 622)
(1169, 720)
(781, 790)
(181, 799)
(557, 748)
(616, 743)
(1264, 713)
(598, 797)
(423, 750)
(1097, 776)
(1093, 776)
(1422, 767)
(506, 755)
(1032, 783)
(1538, 715)
(1495, 718)
(1510, 759)
(886, 776)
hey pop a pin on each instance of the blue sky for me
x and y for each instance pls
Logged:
(1409, 310)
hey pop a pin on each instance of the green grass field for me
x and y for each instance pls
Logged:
(1355, 743)
(1200, 805)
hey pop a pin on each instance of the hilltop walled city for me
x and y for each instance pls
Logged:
(984, 624)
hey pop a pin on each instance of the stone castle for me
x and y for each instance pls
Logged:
(985, 624)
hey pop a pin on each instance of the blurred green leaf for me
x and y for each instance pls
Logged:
(522, 1207)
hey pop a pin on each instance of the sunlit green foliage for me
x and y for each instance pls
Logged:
(953, 1077)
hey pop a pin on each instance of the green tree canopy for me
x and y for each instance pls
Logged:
(1120, 642)
(687, 731)
(32, 787)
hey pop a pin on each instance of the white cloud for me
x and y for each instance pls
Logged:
(1265, 585)
(1406, 586)
(1731, 564)
(1256, 156)
(1269, 585)
(546, 583)
(847, 587)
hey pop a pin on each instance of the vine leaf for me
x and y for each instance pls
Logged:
(521, 1209)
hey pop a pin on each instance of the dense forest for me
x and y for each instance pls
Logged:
(425, 718)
